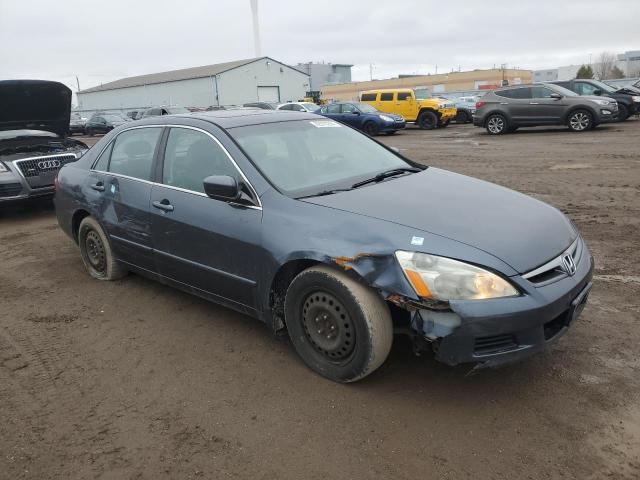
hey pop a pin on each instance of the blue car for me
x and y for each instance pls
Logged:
(363, 117)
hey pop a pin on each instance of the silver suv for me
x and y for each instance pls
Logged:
(506, 109)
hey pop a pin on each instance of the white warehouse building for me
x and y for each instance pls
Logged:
(233, 83)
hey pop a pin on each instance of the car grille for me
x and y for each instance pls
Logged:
(10, 189)
(33, 168)
(494, 344)
(552, 271)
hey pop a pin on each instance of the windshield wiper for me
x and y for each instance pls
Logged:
(324, 192)
(386, 174)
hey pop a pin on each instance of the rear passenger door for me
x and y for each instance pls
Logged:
(209, 245)
(120, 182)
(386, 103)
(517, 104)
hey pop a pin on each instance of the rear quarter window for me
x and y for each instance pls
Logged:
(368, 97)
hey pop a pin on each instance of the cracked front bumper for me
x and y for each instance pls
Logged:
(491, 333)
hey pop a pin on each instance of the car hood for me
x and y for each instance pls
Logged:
(518, 229)
(35, 105)
(629, 90)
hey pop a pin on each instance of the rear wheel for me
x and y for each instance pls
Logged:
(497, 124)
(89, 132)
(623, 113)
(340, 328)
(427, 120)
(580, 121)
(371, 129)
(462, 117)
(96, 252)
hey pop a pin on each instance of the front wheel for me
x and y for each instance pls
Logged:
(96, 252)
(428, 120)
(341, 328)
(371, 129)
(497, 124)
(580, 121)
(623, 113)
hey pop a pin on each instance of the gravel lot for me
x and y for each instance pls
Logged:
(133, 379)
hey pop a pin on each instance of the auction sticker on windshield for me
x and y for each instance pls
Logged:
(324, 123)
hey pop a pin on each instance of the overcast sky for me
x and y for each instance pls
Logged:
(103, 41)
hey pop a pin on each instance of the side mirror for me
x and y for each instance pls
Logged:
(597, 91)
(355, 112)
(222, 187)
(556, 96)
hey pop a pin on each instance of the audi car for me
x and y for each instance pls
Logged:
(34, 141)
(328, 236)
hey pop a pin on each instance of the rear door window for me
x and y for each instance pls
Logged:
(404, 95)
(133, 152)
(348, 108)
(334, 108)
(517, 93)
(386, 97)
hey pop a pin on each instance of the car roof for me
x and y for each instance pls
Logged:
(387, 90)
(233, 118)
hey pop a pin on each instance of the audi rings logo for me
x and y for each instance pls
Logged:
(47, 164)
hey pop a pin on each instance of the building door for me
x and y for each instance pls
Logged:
(269, 94)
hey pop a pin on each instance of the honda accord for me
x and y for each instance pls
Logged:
(328, 236)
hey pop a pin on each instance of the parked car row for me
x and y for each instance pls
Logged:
(583, 107)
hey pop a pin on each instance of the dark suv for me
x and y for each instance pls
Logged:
(628, 100)
(34, 142)
(506, 109)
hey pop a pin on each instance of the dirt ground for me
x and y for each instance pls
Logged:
(133, 379)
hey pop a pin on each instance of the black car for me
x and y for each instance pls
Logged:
(628, 100)
(159, 111)
(34, 142)
(77, 124)
(320, 231)
(103, 123)
(363, 117)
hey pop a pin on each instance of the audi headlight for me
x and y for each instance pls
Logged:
(3, 168)
(386, 118)
(635, 98)
(440, 278)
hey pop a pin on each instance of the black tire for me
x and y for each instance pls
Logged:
(96, 252)
(89, 132)
(428, 120)
(392, 132)
(497, 124)
(371, 129)
(462, 117)
(444, 124)
(580, 120)
(623, 113)
(356, 321)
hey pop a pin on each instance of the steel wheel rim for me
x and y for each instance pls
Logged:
(495, 125)
(95, 251)
(579, 121)
(328, 326)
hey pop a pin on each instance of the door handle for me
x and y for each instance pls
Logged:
(164, 205)
(98, 187)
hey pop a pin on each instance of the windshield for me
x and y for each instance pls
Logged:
(114, 118)
(561, 90)
(422, 93)
(174, 110)
(312, 107)
(365, 108)
(603, 86)
(307, 157)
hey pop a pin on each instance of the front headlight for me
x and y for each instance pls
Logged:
(635, 98)
(386, 118)
(602, 102)
(441, 278)
(3, 168)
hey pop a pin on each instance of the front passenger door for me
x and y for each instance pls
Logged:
(544, 108)
(208, 245)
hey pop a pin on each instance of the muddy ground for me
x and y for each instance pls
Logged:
(133, 379)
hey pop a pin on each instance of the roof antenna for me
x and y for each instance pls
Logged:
(256, 27)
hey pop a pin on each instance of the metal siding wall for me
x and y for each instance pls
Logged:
(240, 85)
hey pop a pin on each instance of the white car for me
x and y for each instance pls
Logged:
(300, 107)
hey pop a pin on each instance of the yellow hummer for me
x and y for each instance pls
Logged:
(414, 104)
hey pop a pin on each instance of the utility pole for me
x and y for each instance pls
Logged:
(78, 82)
(371, 71)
